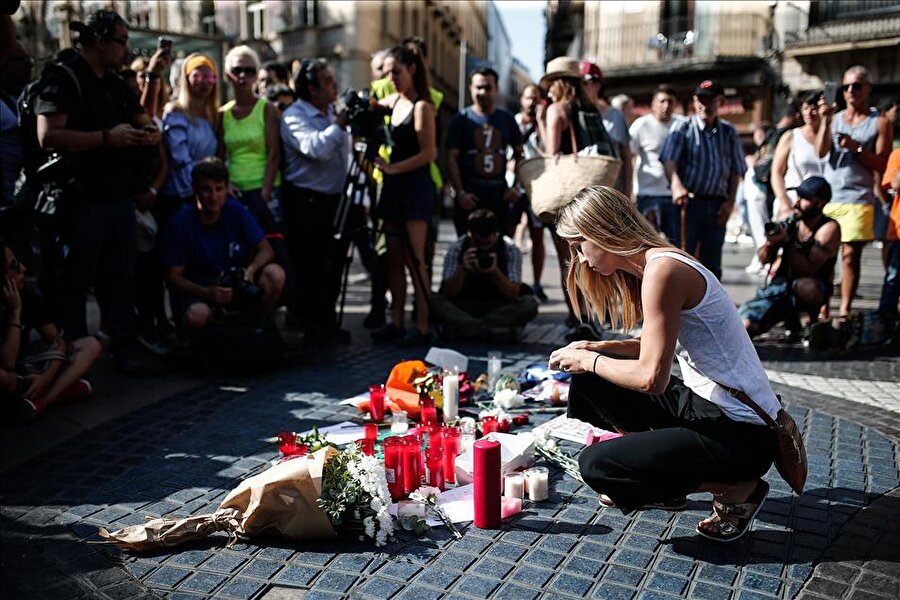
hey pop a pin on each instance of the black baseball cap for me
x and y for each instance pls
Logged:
(813, 188)
(709, 88)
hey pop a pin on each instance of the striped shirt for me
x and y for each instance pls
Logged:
(513, 259)
(705, 158)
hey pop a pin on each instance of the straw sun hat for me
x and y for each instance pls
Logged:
(561, 66)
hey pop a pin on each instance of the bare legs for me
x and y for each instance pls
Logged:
(851, 256)
(399, 261)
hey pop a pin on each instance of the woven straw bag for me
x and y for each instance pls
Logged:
(552, 181)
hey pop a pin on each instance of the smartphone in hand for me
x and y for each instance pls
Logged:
(830, 93)
(164, 44)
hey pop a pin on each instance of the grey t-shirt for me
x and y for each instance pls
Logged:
(647, 138)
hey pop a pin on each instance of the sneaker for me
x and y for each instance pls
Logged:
(27, 410)
(78, 391)
(539, 293)
(388, 333)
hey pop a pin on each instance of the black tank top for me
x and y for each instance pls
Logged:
(804, 248)
(405, 142)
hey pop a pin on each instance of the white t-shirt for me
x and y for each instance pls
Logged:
(647, 138)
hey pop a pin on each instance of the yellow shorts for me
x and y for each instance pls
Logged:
(856, 220)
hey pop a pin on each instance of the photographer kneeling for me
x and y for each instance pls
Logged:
(216, 255)
(809, 242)
(481, 286)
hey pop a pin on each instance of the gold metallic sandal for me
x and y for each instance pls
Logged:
(731, 521)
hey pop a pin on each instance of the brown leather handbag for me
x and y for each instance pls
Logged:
(790, 459)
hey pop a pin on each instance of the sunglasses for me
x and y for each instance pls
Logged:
(853, 87)
(248, 71)
(14, 265)
(198, 77)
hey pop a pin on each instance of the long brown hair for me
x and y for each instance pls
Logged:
(410, 55)
(610, 220)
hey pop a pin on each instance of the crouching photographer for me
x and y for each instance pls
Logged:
(216, 256)
(801, 250)
(482, 285)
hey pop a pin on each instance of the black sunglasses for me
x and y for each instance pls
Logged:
(248, 71)
(853, 87)
(14, 265)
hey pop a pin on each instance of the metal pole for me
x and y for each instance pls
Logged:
(463, 59)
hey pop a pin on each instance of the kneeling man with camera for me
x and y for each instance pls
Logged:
(216, 256)
(482, 285)
(801, 249)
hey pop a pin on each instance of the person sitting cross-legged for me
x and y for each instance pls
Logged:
(481, 287)
(34, 376)
(215, 255)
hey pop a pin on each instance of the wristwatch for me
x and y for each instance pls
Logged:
(859, 148)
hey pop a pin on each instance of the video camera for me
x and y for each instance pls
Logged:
(789, 225)
(246, 295)
(366, 118)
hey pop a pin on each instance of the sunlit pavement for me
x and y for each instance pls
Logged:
(180, 455)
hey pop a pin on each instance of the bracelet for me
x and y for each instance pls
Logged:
(106, 136)
(150, 76)
(594, 366)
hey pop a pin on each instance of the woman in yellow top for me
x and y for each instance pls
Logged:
(251, 139)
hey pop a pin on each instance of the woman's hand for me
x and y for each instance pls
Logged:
(386, 168)
(266, 193)
(572, 360)
(39, 384)
(12, 298)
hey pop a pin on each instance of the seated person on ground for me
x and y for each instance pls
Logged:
(32, 377)
(808, 242)
(482, 286)
(215, 255)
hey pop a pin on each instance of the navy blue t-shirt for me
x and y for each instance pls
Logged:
(482, 142)
(206, 251)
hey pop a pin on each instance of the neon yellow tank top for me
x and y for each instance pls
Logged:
(245, 141)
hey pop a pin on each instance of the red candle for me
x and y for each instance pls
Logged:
(393, 465)
(371, 430)
(427, 411)
(435, 469)
(367, 446)
(520, 420)
(451, 450)
(489, 425)
(287, 443)
(487, 484)
(376, 402)
(503, 426)
(412, 455)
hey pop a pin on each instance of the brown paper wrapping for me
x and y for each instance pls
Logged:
(279, 501)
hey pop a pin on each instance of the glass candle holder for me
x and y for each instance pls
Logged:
(489, 425)
(451, 446)
(514, 485)
(427, 411)
(494, 365)
(435, 468)
(287, 442)
(537, 480)
(450, 391)
(367, 446)
(393, 465)
(412, 456)
(399, 422)
(376, 402)
(371, 431)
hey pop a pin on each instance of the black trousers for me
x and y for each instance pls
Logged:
(675, 442)
(317, 256)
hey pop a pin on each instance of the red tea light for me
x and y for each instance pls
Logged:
(371, 431)
(287, 442)
(367, 446)
(451, 445)
(503, 426)
(520, 420)
(412, 457)
(427, 411)
(393, 465)
(489, 425)
(436, 470)
(376, 403)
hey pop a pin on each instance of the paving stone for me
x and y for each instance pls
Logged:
(380, 588)
(224, 561)
(622, 574)
(473, 585)
(202, 582)
(241, 587)
(416, 592)
(609, 591)
(335, 581)
(664, 582)
(533, 576)
(297, 575)
(826, 587)
(511, 591)
(571, 585)
(167, 577)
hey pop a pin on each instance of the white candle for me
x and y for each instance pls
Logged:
(538, 483)
(494, 364)
(450, 390)
(514, 485)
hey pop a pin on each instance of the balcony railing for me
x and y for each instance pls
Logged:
(703, 38)
(846, 31)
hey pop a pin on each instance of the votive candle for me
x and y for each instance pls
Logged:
(399, 422)
(538, 483)
(412, 455)
(451, 446)
(494, 364)
(393, 465)
(427, 411)
(486, 490)
(435, 467)
(376, 402)
(450, 389)
(371, 431)
(514, 485)
(489, 425)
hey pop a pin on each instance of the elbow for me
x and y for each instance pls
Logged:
(654, 387)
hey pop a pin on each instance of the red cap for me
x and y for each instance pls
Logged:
(590, 71)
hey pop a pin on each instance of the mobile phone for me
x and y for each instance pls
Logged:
(164, 44)
(830, 93)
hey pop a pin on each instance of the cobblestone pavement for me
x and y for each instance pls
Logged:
(181, 455)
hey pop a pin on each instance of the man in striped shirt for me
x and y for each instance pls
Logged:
(704, 161)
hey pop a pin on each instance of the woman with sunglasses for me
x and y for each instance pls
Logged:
(189, 131)
(250, 134)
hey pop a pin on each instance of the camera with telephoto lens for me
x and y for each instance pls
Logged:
(484, 258)
(789, 225)
(245, 295)
(366, 118)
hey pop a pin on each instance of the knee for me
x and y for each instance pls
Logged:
(272, 278)
(196, 316)
(90, 347)
(807, 292)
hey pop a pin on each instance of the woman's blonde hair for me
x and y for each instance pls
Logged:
(241, 52)
(184, 89)
(610, 220)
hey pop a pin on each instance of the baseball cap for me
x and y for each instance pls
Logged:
(813, 188)
(709, 88)
(590, 71)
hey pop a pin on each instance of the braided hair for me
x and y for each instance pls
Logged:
(100, 25)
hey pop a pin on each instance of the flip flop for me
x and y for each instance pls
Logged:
(729, 522)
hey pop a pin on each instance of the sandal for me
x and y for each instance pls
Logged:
(673, 504)
(731, 521)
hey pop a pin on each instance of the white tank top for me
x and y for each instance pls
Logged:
(803, 162)
(713, 346)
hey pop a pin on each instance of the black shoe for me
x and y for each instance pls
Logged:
(135, 361)
(374, 319)
(539, 293)
(583, 332)
(388, 333)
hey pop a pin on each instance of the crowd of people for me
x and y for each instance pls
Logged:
(134, 181)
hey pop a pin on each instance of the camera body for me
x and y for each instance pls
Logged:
(366, 117)
(246, 295)
(484, 258)
(789, 225)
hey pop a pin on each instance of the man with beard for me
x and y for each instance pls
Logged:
(808, 244)
(477, 141)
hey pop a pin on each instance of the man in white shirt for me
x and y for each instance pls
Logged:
(648, 134)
